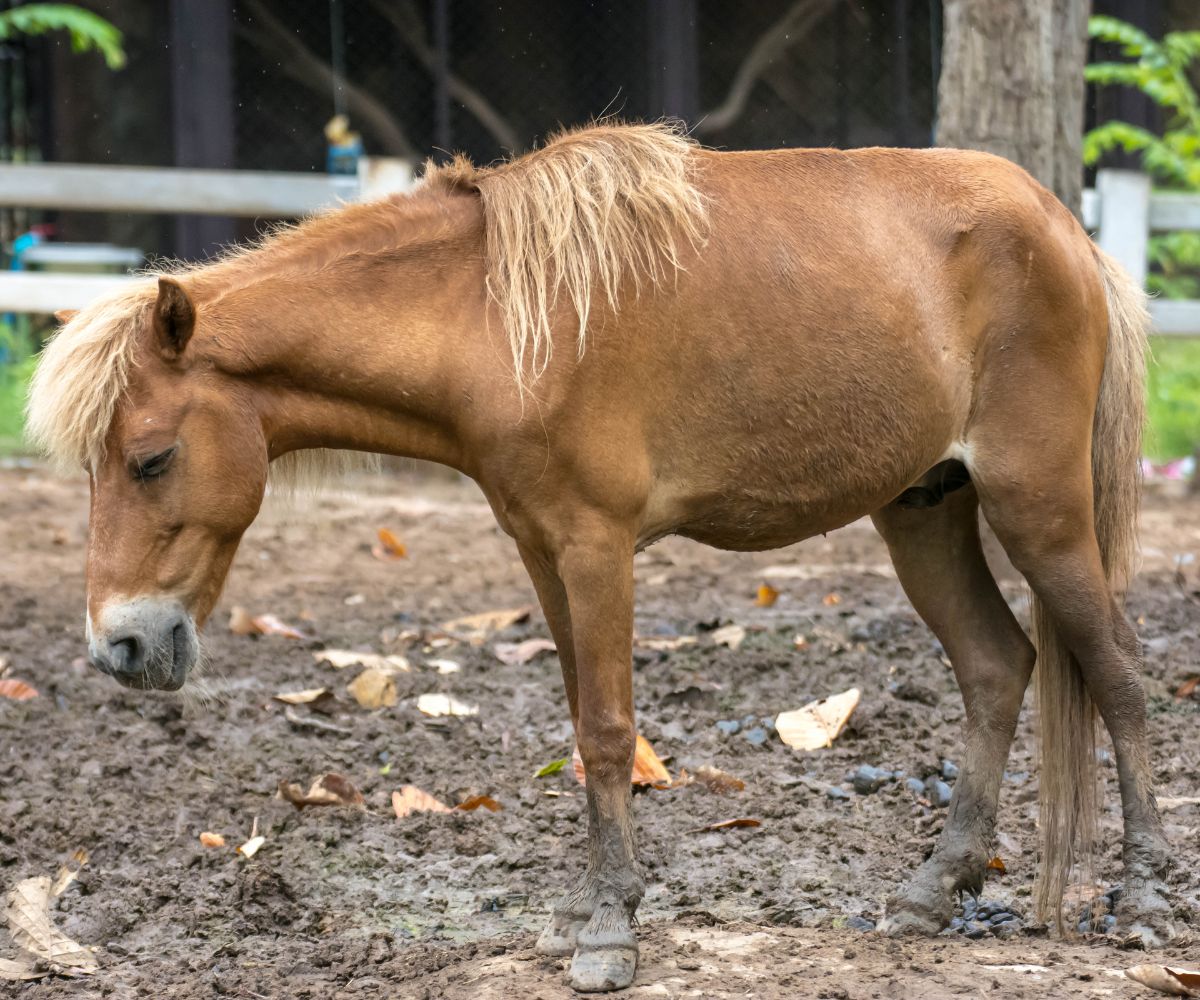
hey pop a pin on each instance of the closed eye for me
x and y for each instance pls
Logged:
(154, 466)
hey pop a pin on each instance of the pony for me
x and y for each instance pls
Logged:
(766, 346)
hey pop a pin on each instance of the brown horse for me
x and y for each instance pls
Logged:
(768, 345)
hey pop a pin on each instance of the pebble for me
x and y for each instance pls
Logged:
(949, 770)
(729, 726)
(939, 792)
(757, 736)
(868, 779)
(974, 929)
(840, 794)
(860, 924)
(915, 785)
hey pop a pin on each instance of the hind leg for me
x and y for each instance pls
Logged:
(940, 563)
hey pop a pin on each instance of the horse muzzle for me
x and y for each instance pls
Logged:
(145, 644)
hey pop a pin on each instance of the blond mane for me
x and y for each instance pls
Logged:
(592, 207)
(563, 224)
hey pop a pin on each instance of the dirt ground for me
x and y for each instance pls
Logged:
(348, 904)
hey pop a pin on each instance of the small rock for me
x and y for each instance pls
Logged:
(868, 779)
(840, 794)
(956, 924)
(860, 924)
(915, 785)
(949, 770)
(729, 726)
(1107, 924)
(974, 930)
(938, 791)
(757, 736)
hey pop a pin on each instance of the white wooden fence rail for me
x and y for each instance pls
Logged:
(169, 190)
(1121, 210)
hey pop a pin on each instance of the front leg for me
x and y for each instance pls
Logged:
(595, 571)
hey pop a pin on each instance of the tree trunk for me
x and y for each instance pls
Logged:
(1012, 84)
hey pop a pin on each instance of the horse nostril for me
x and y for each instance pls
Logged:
(127, 655)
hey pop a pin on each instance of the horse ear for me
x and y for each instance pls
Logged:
(64, 316)
(174, 317)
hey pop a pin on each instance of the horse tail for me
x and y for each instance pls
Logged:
(1069, 799)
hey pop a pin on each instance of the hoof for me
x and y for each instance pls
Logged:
(1144, 916)
(915, 913)
(558, 938)
(600, 970)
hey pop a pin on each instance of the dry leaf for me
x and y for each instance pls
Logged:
(16, 690)
(488, 621)
(212, 840)
(444, 666)
(328, 789)
(829, 600)
(242, 623)
(318, 699)
(374, 688)
(339, 659)
(477, 801)
(410, 799)
(522, 652)
(442, 704)
(716, 780)
(1174, 802)
(997, 865)
(1175, 982)
(251, 846)
(665, 644)
(31, 929)
(1187, 688)
(726, 825)
(389, 546)
(767, 595)
(729, 635)
(14, 971)
(818, 723)
(647, 768)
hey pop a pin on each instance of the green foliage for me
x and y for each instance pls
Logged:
(14, 382)
(88, 31)
(1173, 398)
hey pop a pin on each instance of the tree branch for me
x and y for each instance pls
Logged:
(411, 29)
(797, 21)
(307, 68)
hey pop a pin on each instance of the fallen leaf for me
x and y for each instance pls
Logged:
(522, 652)
(647, 768)
(16, 690)
(1175, 802)
(997, 865)
(665, 644)
(312, 722)
(445, 666)
(410, 799)
(729, 635)
(15, 971)
(552, 768)
(799, 641)
(726, 825)
(1187, 688)
(488, 621)
(442, 704)
(1165, 979)
(251, 846)
(242, 623)
(829, 600)
(477, 801)
(818, 723)
(328, 789)
(388, 546)
(318, 699)
(374, 688)
(767, 595)
(339, 659)
(718, 781)
(212, 840)
(28, 914)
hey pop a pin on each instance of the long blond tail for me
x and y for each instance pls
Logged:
(1069, 797)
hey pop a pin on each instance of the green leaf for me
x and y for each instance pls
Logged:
(1112, 29)
(87, 31)
(552, 768)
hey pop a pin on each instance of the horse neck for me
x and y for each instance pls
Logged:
(374, 351)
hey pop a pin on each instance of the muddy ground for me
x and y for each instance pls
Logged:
(345, 904)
